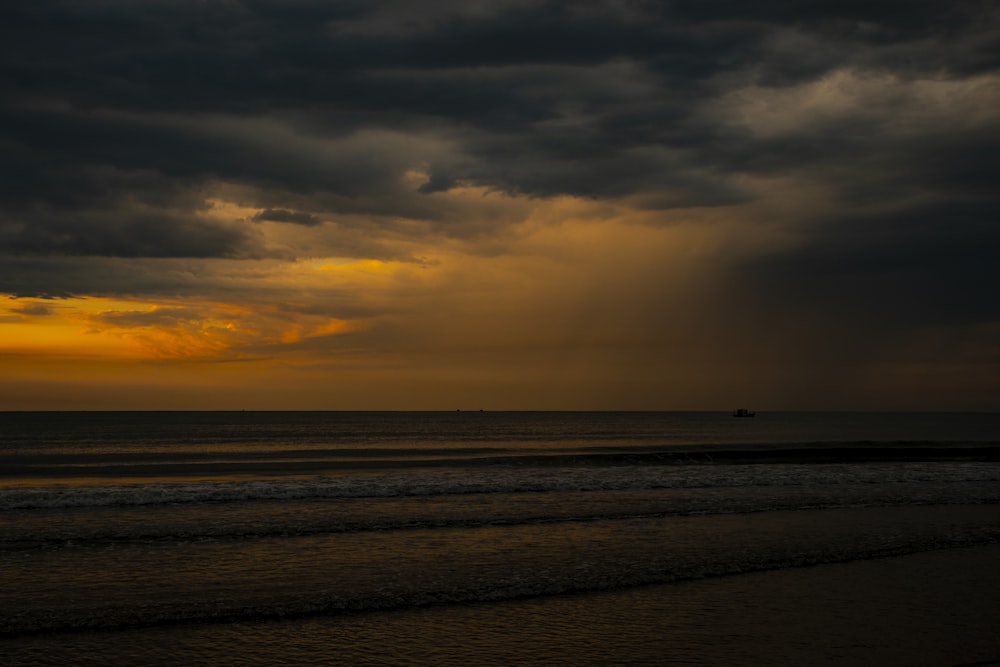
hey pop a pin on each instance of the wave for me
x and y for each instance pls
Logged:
(467, 583)
(490, 481)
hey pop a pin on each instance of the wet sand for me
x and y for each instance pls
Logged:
(931, 608)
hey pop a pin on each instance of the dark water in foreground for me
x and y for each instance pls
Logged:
(627, 538)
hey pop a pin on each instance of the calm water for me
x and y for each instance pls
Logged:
(261, 538)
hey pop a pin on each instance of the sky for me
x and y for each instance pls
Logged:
(516, 204)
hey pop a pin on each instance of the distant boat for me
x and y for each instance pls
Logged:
(743, 412)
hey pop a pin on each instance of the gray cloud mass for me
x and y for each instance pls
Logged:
(119, 120)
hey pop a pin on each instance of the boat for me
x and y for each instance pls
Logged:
(743, 412)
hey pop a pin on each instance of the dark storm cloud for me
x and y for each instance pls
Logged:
(153, 318)
(34, 310)
(249, 56)
(117, 233)
(923, 266)
(119, 118)
(53, 277)
(281, 215)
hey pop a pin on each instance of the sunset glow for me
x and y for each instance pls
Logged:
(358, 208)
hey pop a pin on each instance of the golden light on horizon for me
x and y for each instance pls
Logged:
(571, 301)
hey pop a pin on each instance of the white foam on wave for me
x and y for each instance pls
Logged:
(493, 480)
(496, 480)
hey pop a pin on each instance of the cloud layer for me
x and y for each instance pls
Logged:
(665, 204)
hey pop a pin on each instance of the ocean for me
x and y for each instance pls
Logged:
(456, 538)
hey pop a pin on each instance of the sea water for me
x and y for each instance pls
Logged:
(347, 538)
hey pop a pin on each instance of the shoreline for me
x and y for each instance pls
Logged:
(927, 608)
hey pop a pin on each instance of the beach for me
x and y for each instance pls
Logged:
(930, 608)
(583, 539)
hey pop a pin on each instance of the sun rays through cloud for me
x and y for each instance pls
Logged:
(526, 205)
